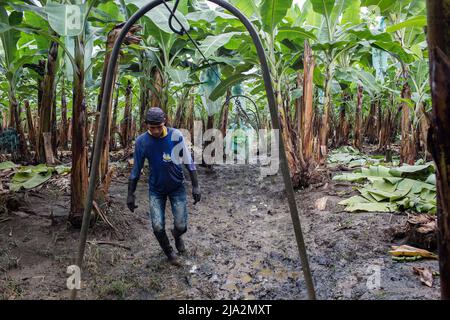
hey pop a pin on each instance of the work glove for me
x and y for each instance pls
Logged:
(196, 194)
(195, 188)
(131, 200)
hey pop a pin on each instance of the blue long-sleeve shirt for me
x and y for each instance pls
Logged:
(165, 156)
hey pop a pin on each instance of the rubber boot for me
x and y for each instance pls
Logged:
(167, 248)
(179, 243)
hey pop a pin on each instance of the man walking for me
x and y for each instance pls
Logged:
(165, 150)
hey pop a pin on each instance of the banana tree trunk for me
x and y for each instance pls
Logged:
(291, 120)
(370, 130)
(112, 141)
(89, 127)
(209, 125)
(325, 127)
(145, 97)
(224, 114)
(357, 135)
(144, 103)
(111, 39)
(408, 152)
(24, 153)
(12, 107)
(54, 129)
(189, 120)
(79, 173)
(379, 120)
(157, 96)
(424, 127)
(48, 97)
(143, 107)
(210, 122)
(126, 123)
(292, 159)
(4, 122)
(30, 124)
(182, 105)
(342, 128)
(40, 69)
(307, 112)
(64, 128)
(104, 158)
(385, 132)
(298, 105)
(341, 136)
(178, 118)
(69, 131)
(133, 129)
(439, 142)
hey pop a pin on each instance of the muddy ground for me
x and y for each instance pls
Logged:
(240, 241)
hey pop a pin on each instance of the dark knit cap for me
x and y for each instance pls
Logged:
(155, 116)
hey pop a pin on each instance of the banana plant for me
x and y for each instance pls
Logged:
(175, 60)
(268, 17)
(69, 19)
(12, 58)
(163, 48)
(332, 20)
(406, 20)
(279, 30)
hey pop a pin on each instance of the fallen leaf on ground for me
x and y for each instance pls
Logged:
(421, 219)
(427, 228)
(392, 189)
(321, 203)
(423, 223)
(425, 274)
(7, 165)
(408, 251)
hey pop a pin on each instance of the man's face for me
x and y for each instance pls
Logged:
(155, 129)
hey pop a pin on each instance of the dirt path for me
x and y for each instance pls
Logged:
(240, 241)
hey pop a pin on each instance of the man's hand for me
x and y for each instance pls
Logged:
(196, 194)
(131, 203)
(131, 200)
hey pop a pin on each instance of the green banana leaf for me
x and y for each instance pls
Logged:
(372, 207)
(29, 177)
(7, 165)
(421, 172)
(392, 189)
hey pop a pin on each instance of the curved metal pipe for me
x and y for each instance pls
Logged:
(251, 100)
(108, 87)
(172, 15)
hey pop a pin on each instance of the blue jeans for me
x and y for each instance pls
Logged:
(179, 210)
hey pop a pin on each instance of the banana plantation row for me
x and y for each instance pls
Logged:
(345, 73)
